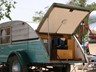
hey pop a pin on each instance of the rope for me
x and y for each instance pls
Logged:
(82, 29)
(86, 25)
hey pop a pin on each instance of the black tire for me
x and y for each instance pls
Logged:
(15, 66)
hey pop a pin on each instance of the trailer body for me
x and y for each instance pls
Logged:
(18, 39)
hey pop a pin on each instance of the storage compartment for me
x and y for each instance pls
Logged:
(61, 46)
(67, 53)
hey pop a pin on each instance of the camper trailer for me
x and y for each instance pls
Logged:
(52, 47)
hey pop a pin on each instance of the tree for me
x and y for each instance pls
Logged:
(92, 6)
(80, 3)
(5, 8)
(39, 15)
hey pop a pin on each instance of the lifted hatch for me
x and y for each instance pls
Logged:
(62, 19)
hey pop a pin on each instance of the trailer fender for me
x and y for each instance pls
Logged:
(22, 57)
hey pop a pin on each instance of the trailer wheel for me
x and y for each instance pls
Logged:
(15, 66)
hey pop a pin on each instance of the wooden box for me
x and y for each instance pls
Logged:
(64, 54)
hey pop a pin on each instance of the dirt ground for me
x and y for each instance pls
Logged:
(80, 68)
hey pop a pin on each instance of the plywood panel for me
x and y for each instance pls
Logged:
(64, 54)
(71, 46)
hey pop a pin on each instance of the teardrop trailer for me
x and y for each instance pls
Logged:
(52, 44)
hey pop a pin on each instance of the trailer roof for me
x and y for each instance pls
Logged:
(62, 19)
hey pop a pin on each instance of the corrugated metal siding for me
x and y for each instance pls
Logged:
(21, 30)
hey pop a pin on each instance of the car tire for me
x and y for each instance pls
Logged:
(16, 66)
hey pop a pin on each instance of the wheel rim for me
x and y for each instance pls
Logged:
(16, 66)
